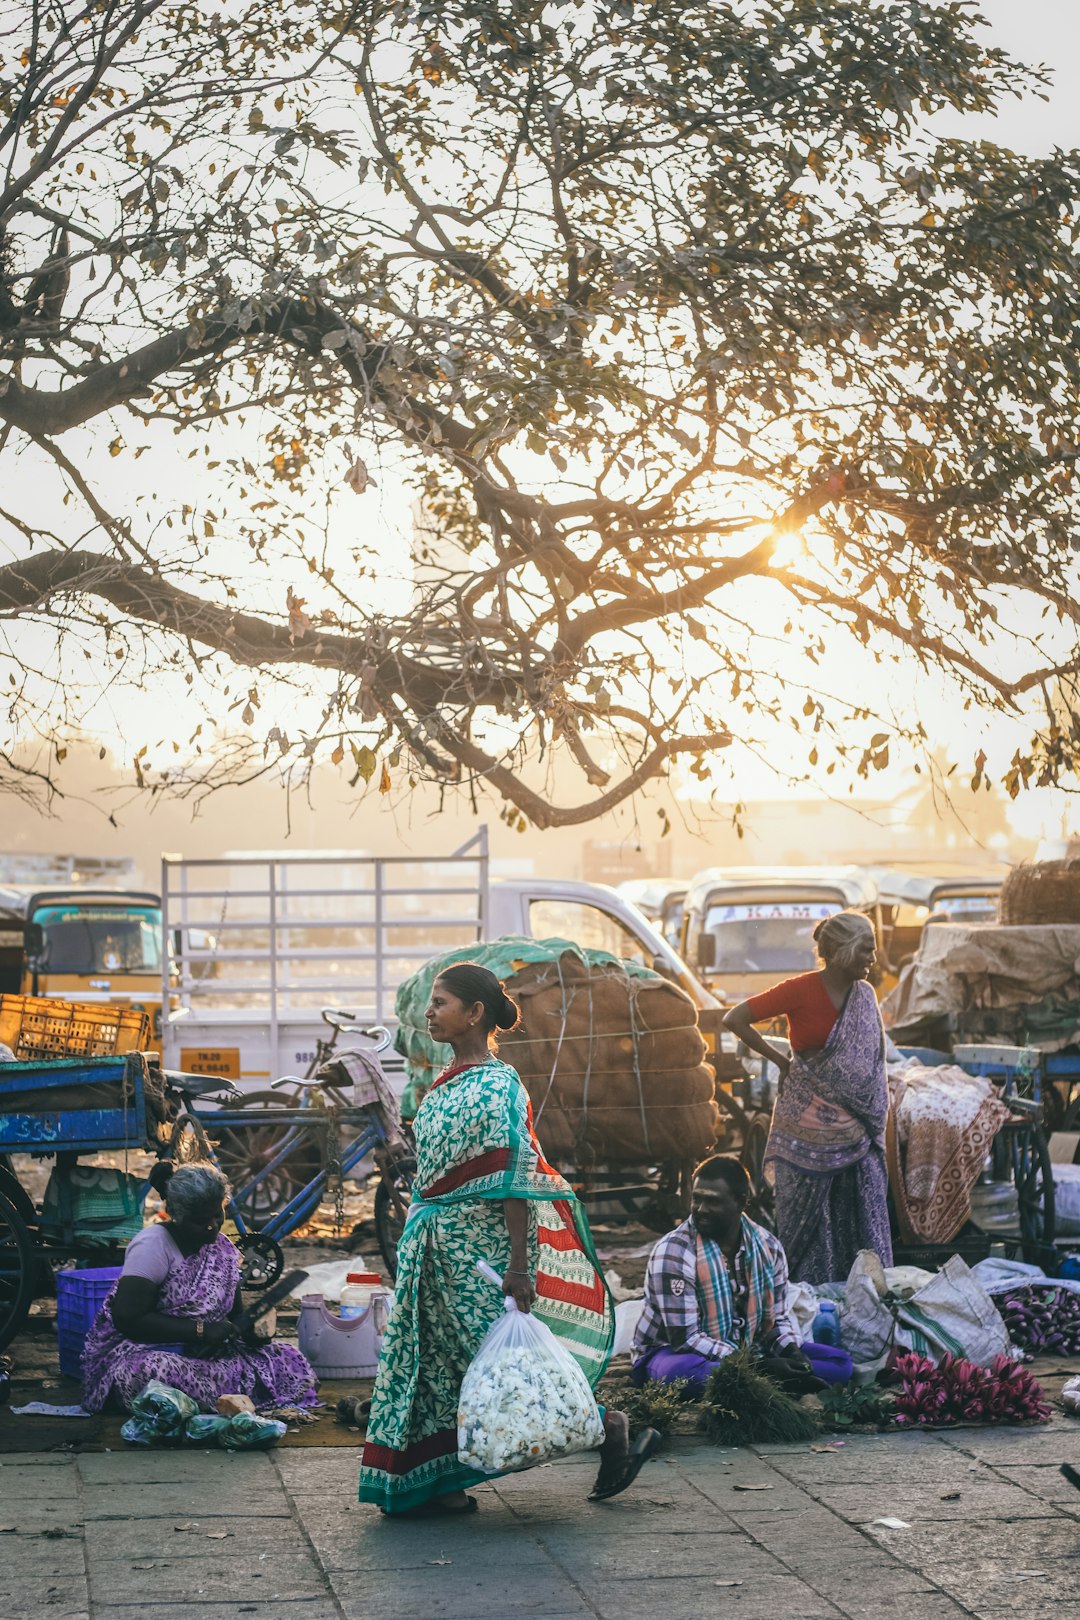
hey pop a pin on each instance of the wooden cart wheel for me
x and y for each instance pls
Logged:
(243, 1151)
(18, 1266)
(1033, 1176)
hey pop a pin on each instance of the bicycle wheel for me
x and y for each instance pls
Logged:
(390, 1212)
(17, 1271)
(244, 1151)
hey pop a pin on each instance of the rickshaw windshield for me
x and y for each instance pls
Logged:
(101, 939)
(767, 937)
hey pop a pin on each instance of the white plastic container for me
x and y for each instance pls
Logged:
(359, 1290)
(343, 1347)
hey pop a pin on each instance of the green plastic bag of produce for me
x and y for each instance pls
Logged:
(158, 1415)
(203, 1427)
(247, 1430)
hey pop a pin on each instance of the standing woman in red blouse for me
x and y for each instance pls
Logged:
(826, 1150)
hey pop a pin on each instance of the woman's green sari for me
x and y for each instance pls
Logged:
(475, 1146)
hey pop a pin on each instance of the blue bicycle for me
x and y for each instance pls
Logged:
(328, 1132)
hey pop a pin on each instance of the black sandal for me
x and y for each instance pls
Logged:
(614, 1477)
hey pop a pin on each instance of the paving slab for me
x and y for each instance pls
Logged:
(238, 1470)
(212, 1497)
(907, 1606)
(1042, 1479)
(281, 1537)
(980, 1498)
(282, 1576)
(1021, 1544)
(588, 1559)
(859, 1465)
(695, 1598)
(246, 1609)
(38, 1484)
(455, 1593)
(44, 1593)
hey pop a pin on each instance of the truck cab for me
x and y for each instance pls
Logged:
(747, 928)
(912, 900)
(594, 917)
(661, 900)
(91, 945)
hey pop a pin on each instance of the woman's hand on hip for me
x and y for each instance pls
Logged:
(521, 1289)
(783, 1064)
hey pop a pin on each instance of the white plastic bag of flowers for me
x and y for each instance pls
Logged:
(524, 1399)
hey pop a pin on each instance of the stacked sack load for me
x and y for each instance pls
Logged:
(609, 1052)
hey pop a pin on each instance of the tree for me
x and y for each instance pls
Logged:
(678, 318)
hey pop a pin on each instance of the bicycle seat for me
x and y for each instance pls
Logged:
(199, 1085)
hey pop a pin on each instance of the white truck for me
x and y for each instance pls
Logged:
(261, 943)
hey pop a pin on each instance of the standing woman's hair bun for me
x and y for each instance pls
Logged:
(509, 1013)
(472, 983)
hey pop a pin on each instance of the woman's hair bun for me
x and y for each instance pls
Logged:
(508, 1014)
(161, 1175)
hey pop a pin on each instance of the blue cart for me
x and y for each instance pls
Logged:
(63, 1108)
(69, 1106)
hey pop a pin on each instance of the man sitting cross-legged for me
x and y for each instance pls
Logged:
(717, 1284)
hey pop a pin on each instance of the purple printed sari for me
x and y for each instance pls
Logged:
(199, 1285)
(826, 1149)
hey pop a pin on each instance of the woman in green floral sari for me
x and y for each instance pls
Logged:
(483, 1191)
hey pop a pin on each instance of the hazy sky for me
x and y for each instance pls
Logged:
(1033, 30)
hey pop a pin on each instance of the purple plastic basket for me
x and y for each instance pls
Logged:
(79, 1297)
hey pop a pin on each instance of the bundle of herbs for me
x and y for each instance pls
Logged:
(853, 1406)
(660, 1406)
(741, 1407)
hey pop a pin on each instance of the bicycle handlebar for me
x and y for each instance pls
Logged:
(339, 1018)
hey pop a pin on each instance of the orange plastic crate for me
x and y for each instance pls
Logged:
(39, 1027)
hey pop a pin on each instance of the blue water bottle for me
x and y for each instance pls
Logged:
(826, 1328)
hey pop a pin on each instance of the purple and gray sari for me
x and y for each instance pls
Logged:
(826, 1150)
(199, 1285)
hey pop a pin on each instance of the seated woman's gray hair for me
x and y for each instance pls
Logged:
(195, 1188)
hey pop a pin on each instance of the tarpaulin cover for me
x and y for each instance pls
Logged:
(608, 1050)
(1020, 983)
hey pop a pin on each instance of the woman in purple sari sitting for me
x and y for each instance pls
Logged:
(826, 1149)
(171, 1314)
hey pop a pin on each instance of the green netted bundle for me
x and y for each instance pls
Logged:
(741, 1407)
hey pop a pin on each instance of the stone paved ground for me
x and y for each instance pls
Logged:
(785, 1533)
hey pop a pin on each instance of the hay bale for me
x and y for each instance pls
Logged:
(1042, 892)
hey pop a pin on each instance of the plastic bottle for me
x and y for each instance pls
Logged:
(826, 1328)
(357, 1292)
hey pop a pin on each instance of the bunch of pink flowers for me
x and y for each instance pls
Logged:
(958, 1391)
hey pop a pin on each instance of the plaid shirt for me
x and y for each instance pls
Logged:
(671, 1318)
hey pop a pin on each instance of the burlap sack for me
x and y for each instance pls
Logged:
(613, 1062)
